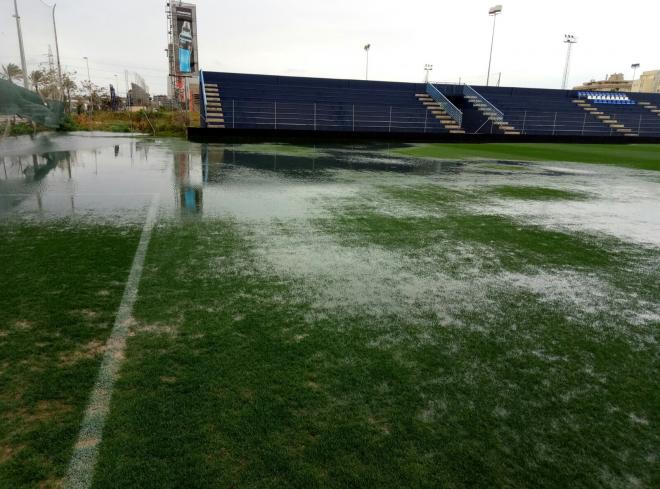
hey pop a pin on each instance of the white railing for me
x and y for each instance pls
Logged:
(453, 111)
(468, 91)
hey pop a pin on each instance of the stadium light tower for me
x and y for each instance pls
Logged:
(26, 81)
(89, 80)
(428, 68)
(494, 12)
(634, 67)
(367, 47)
(569, 39)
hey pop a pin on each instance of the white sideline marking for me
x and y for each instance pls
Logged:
(85, 452)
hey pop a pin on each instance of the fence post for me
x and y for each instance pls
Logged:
(353, 117)
(315, 116)
(276, 114)
(554, 125)
(524, 122)
(390, 129)
(584, 123)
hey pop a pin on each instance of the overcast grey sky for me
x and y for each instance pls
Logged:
(325, 38)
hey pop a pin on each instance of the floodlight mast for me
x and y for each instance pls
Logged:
(494, 12)
(367, 47)
(569, 39)
(26, 81)
(428, 68)
(634, 66)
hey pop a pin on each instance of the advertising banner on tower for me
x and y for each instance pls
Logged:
(184, 27)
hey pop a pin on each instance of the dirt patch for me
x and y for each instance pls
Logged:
(168, 380)
(90, 442)
(88, 351)
(43, 411)
(23, 325)
(103, 293)
(86, 313)
(159, 329)
(7, 452)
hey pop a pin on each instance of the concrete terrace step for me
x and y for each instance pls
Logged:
(457, 131)
(512, 133)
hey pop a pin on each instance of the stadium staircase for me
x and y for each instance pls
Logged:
(489, 111)
(214, 115)
(609, 120)
(649, 106)
(439, 113)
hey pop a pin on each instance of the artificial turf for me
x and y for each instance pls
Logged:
(640, 156)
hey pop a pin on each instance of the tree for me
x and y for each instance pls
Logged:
(37, 77)
(68, 85)
(11, 72)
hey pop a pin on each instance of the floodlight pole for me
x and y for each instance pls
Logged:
(494, 12)
(428, 68)
(57, 53)
(569, 39)
(634, 67)
(366, 49)
(26, 81)
(91, 93)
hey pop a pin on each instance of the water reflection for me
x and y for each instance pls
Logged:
(99, 177)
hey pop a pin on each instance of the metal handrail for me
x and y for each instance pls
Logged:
(453, 111)
(468, 90)
(203, 88)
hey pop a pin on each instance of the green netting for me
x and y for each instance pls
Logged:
(15, 100)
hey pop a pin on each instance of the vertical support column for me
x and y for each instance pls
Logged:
(276, 114)
(353, 117)
(524, 122)
(584, 123)
(426, 118)
(390, 128)
(639, 126)
(554, 124)
(233, 113)
(315, 116)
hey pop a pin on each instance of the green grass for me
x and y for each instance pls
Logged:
(381, 341)
(641, 156)
(61, 286)
(234, 378)
(537, 193)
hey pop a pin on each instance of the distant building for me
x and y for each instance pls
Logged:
(612, 83)
(648, 82)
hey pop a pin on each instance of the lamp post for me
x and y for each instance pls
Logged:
(494, 12)
(89, 80)
(367, 47)
(569, 40)
(428, 68)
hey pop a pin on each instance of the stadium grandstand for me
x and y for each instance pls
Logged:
(233, 102)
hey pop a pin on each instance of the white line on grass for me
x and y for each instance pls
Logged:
(85, 453)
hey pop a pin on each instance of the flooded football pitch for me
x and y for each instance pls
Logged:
(325, 316)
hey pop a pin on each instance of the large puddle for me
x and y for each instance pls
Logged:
(99, 176)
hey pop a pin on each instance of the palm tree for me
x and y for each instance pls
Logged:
(37, 77)
(11, 72)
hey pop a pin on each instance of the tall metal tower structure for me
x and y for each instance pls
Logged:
(569, 39)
